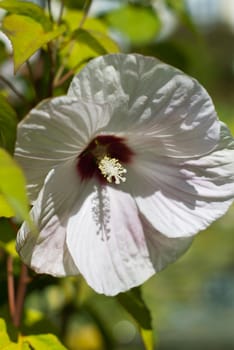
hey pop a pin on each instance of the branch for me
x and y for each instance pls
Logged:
(11, 286)
(58, 82)
(22, 285)
(50, 10)
(16, 299)
(31, 76)
(61, 12)
(52, 57)
(64, 78)
(11, 86)
(86, 9)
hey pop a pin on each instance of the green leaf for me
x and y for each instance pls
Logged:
(29, 9)
(148, 338)
(4, 339)
(44, 342)
(5, 209)
(32, 342)
(7, 344)
(87, 45)
(140, 24)
(13, 199)
(133, 302)
(73, 18)
(27, 36)
(8, 123)
(26, 346)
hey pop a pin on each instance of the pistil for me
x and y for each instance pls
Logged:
(111, 169)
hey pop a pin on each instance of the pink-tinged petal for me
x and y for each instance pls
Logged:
(172, 111)
(106, 240)
(46, 251)
(181, 198)
(55, 131)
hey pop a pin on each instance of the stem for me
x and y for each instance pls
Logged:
(61, 12)
(11, 86)
(61, 69)
(52, 56)
(16, 300)
(64, 78)
(22, 285)
(86, 9)
(31, 75)
(50, 10)
(58, 75)
(58, 82)
(11, 286)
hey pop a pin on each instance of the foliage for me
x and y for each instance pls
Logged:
(125, 18)
(135, 305)
(85, 42)
(19, 29)
(40, 342)
(13, 199)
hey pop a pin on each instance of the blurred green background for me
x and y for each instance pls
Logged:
(192, 301)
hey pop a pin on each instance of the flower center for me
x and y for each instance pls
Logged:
(103, 158)
(112, 169)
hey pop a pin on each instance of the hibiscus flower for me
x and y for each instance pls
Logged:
(122, 172)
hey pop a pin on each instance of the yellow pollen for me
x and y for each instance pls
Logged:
(112, 169)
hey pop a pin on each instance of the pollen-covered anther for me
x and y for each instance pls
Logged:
(111, 169)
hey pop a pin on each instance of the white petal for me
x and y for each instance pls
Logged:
(46, 251)
(150, 98)
(180, 199)
(106, 241)
(218, 174)
(163, 250)
(56, 130)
